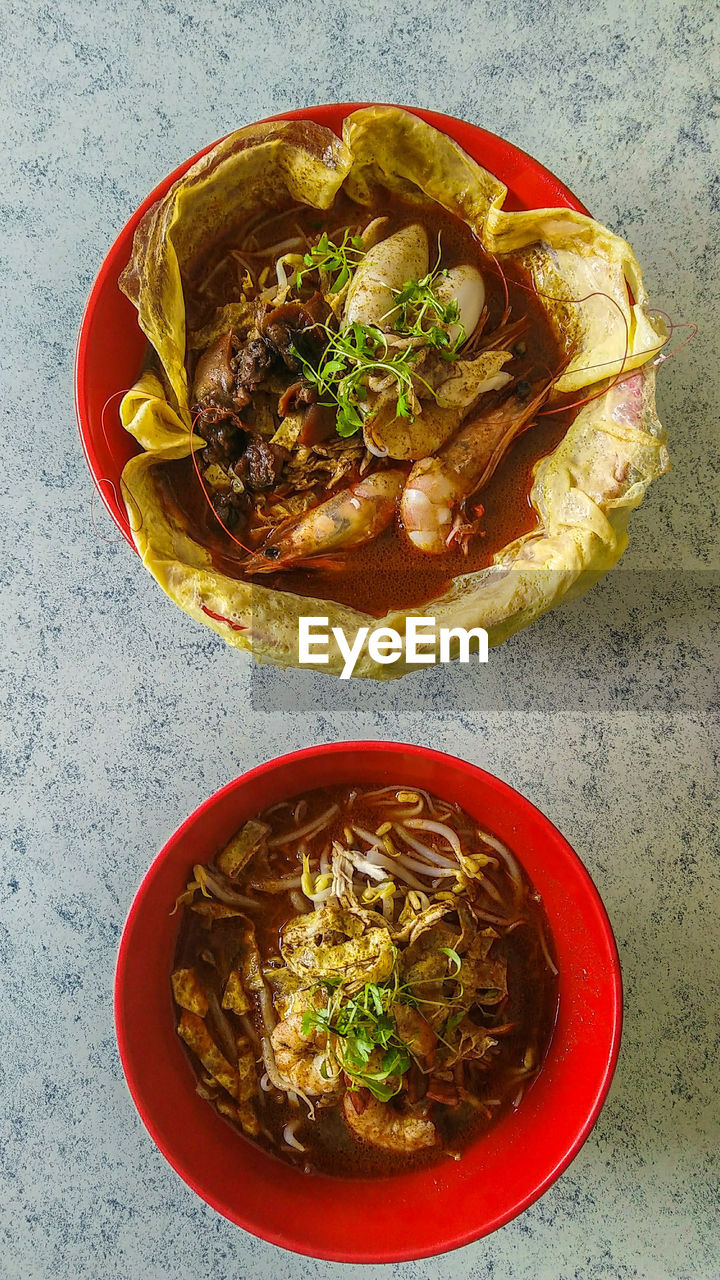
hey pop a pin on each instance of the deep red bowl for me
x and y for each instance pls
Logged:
(111, 345)
(416, 1214)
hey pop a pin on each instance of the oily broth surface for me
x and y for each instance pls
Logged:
(331, 1148)
(389, 573)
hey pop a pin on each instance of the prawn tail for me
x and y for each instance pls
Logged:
(465, 526)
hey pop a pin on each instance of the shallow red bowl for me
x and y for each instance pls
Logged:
(110, 344)
(416, 1214)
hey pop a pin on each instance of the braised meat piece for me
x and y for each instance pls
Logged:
(297, 325)
(255, 361)
(224, 439)
(298, 393)
(214, 381)
(261, 464)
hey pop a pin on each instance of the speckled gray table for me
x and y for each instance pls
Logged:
(120, 714)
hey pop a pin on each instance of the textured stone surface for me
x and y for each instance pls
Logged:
(120, 715)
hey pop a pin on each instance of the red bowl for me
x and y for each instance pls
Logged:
(412, 1215)
(111, 345)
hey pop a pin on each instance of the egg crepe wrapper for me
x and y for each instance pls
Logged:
(252, 169)
(583, 492)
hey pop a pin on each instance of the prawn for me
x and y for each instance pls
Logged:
(437, 486)
(302, 1061)
(417, 1034)
(348, 519)
(382, 1126)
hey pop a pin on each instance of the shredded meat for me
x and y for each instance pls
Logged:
(323, 464)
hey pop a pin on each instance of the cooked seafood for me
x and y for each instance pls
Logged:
(384, 993)
(353, 516)
(360, 367)
(437, 487)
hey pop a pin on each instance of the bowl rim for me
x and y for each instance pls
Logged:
(458, 1236)
(83, 415)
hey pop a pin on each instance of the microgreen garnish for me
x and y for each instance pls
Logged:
(364, 1027)
(454, 957)
(359, 352)
(420, 313)
(353, 355)
(338, 261)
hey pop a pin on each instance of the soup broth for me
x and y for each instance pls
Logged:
(364, 980)
(244, 527)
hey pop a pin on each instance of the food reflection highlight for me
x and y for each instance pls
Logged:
(365, 980)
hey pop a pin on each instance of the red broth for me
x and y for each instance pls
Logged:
(525, 1016)
(389, 573)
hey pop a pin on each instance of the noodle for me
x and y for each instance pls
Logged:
(370, 983)
(311, 829)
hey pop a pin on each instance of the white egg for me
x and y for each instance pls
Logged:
(463, 284)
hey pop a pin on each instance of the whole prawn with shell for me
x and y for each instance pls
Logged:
(352, 362)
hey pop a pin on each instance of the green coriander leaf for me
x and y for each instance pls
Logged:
(348, 422)
(374, 995)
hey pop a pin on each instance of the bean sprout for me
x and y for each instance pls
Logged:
(289, 1135)
(490, 889)
(396, 867)
(507, 857)
(544, 946)
(312, 828)
(382, 791)
(230, 897)
(271, 1066)
(432, 855)
(267, 1008)
(248, 1027)
(440, 829)
(368, 836)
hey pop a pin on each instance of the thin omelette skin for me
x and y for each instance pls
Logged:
(582, 493)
